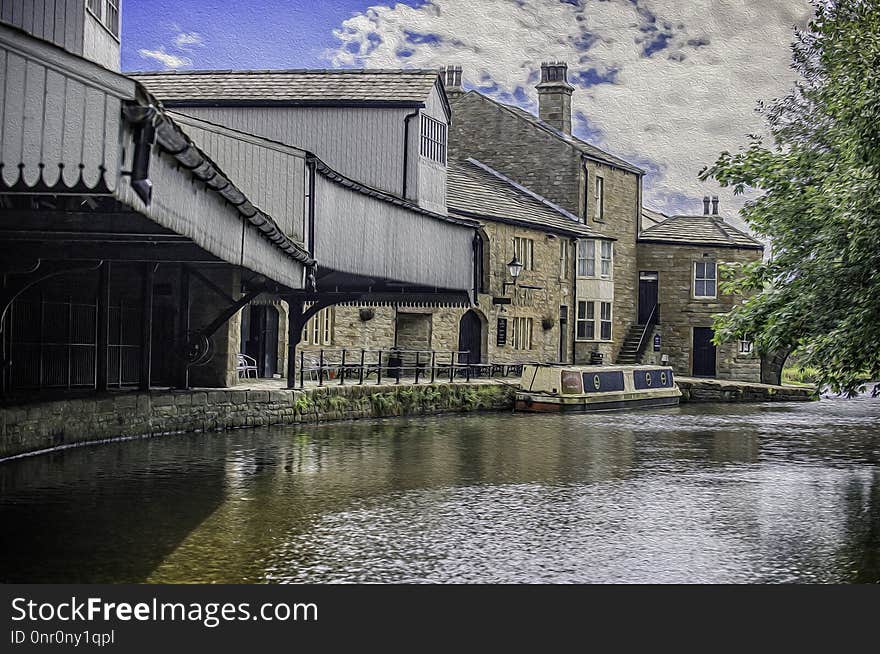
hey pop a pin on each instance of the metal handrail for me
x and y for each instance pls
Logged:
(652, 321)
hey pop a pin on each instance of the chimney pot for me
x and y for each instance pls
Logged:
(705, 205)
(714, 205)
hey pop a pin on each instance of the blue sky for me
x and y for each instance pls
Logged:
(665, 84)
(235, 34)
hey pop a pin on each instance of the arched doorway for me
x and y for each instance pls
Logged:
(259, 337)
(470, 338)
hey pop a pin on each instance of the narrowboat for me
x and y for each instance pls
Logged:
(555, 388)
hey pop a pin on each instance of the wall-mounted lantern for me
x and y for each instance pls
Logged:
(514, 268)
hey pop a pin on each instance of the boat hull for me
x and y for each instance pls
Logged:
(533, 403)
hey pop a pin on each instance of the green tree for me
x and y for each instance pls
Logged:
(819, 292)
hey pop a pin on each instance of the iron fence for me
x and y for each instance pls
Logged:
(359, 366)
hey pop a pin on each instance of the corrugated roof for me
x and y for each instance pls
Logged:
(291, 86)
(587, 149)
(474, 189)
(699, 230)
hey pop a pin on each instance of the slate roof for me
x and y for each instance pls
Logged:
(651, 217)
(587, 149)
(477, 191)
(699, 230)
(291, 86)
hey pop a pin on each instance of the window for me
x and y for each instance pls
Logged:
(606, 258)
(563, 259)
(586, 258)
(111, 16)
(433, 141)
(586, 195)
(600, 198)
(522, 334)
(523, 249)
(107, 13)
(605, 322)
(319, 329)
(705, 277)
(586, 321)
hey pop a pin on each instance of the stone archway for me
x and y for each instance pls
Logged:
(772, 364)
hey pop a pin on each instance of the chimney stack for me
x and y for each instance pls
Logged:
(452, 80)
(554, 96)
(714, 205)
(705, 205)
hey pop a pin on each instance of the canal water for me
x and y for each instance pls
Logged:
(697, 493)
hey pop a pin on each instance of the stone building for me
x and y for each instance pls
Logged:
(530, 320)
(600, 190)
(679, 259)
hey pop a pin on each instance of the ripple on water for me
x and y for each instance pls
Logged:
(714, 493)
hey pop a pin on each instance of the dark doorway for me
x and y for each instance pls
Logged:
(259, 337)
(470, 338)
(704, 352)
(648, 282)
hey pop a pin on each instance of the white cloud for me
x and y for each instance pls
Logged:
(168, 60)
(672, 112)
(189, 40)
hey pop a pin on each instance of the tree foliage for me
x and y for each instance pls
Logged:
(819, 292)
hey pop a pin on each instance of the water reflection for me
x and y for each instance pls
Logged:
(763, 493)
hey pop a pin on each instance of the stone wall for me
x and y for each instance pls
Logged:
(680, 312)
(47, 425)
(713, 390)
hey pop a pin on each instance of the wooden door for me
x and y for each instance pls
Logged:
(648, 282)
(703, 353)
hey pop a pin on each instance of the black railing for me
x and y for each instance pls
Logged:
(342, 365)
(652, 322)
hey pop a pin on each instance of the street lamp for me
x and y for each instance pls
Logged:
(514, 268)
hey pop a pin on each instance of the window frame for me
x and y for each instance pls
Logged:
(433, 139)
(523, 329)
(524, 251)
(587, 318)
(589, 246)
(704, 280)
(564, 259)
(600, 198)
(319, 329)
(586, 195)
(603, 321)
(102, 13)
(606, 261)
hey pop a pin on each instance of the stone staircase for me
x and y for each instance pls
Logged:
(629, 352)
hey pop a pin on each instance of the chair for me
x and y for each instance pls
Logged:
(245, 366)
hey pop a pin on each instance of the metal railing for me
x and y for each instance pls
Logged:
(653, 320)
(357, 366)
